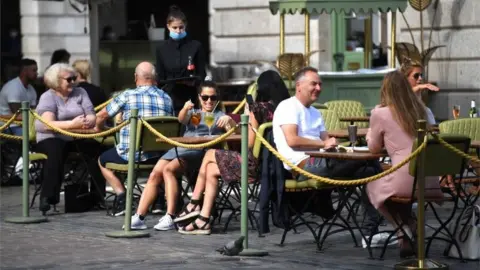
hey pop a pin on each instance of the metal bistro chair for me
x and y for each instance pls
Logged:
(235, 187)
(348, 108)
(146, 142)
(438, 161)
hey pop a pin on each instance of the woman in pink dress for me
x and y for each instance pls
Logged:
(393, 127)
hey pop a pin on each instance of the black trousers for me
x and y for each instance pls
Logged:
(57, 151)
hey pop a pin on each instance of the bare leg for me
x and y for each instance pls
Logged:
(112, 180)
(171, 185)
(150, 191)
(211, 188)
(201, 179)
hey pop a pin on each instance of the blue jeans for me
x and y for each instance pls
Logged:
(17, 131)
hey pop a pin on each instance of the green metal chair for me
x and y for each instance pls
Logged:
(332, 122)
(348, 108)
(147, 142)
(438, 161)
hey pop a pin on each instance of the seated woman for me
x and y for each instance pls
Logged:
(227, 164)
(66, 107)
(172, 163)
(95, 93)
(393, 127)
(413, 70)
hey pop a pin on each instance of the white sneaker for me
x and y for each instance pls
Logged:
(379, 239)
(165, 223)
(137, 223)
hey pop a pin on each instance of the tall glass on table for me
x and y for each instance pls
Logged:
(209, 119)
(195, 119)
(352, 135)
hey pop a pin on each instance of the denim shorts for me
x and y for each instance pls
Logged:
(112, 156)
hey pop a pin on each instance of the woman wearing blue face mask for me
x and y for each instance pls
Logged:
(180, 57)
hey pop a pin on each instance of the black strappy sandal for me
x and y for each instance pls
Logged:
(198, 230)
(188, 214)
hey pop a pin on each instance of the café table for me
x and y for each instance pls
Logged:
(343, 133)
(354, 119)
(202, 139)
(345, 192)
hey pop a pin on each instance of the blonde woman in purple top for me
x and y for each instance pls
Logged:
(67, 107)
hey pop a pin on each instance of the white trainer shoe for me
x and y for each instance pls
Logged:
(165, 223)
(137, 223)
(379, 239)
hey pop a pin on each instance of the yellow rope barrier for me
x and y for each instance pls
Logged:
(79, 135)
(239, 107)
(9, 121)
(345, 182)
(189, 146)
(455, 150)
(10, 137)
(103, 105)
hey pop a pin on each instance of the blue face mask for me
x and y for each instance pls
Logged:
(179, 36)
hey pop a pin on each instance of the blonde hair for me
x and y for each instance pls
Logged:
(51, 76)
(407, 66)
(406, 108)
(82, 67)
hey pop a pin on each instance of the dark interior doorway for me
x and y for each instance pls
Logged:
(196, 12)
(11, 46)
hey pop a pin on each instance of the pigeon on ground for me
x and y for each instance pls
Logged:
(232, 248)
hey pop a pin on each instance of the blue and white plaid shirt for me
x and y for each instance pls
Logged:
(150, 101)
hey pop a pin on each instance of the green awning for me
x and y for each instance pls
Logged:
(327, 6)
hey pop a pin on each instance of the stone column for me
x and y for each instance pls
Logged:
(48, 26)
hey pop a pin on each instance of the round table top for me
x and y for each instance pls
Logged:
(83, 131)
(348, 155)
(475, 144)
(203, 139)
(343, 133)
(355, 119)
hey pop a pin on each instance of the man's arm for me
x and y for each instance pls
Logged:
(14, 107)
(102, 116)
(294, 141)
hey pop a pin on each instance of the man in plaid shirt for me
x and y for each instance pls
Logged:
(150, 101)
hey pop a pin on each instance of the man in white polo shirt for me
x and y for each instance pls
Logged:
(17, 90)
(298, 127)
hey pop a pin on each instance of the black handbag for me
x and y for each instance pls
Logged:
(78, 197)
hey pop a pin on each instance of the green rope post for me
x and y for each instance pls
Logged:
(421, 262)
(244, 184)
(127, 232)
(26, 218)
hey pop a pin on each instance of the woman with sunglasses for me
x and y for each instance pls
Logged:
(67, 107)
(178, 160)
(227, 164)
(414, 72)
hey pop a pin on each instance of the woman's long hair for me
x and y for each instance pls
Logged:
(406, 108)
(271, 88)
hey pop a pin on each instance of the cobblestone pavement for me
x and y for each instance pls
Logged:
(78, 241)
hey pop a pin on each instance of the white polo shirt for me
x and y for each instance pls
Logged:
(15, 92)
(309, 123)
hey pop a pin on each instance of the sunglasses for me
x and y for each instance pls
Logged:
(205, 97)
(70, 79)
(417, 75)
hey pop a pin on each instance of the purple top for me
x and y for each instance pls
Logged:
(77, 104)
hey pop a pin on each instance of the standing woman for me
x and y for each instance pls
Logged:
(180, 57)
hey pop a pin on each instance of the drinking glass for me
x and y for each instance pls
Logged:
(352, 135)
(456, 111)
(209, 119)
(195, 119)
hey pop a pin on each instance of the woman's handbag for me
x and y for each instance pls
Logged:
(467, 235)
